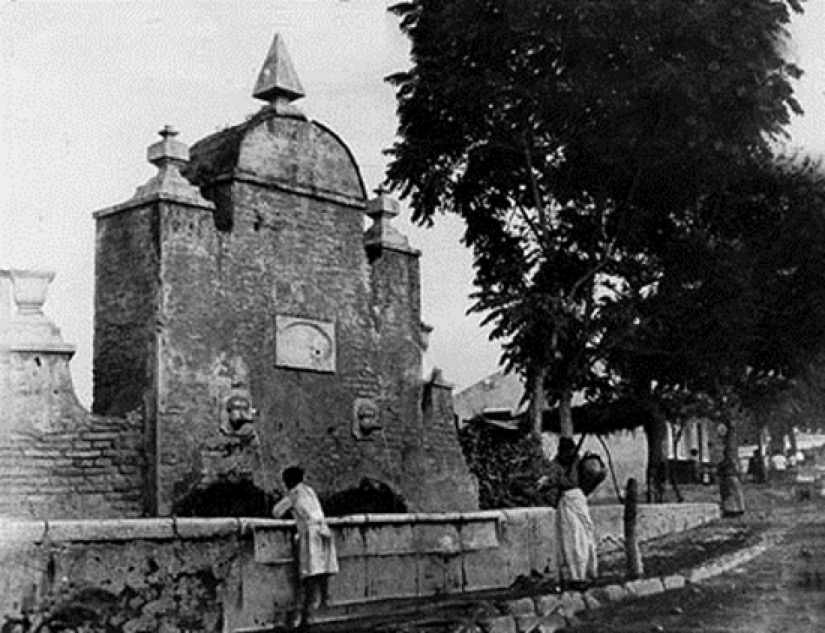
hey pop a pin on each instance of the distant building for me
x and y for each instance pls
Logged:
(499, 398)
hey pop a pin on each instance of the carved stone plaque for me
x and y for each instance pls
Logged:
(305, 344)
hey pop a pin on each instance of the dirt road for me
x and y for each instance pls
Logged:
(782, 590)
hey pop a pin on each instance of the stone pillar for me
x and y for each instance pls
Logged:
(132, 263)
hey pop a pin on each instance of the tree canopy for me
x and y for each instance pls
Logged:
(591, 147)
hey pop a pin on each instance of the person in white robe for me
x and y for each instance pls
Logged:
(575, 530)
(317, 558)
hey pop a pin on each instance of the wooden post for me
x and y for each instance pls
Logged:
(635, 568)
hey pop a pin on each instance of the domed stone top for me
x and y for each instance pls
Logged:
(279, 146)
(283, 150)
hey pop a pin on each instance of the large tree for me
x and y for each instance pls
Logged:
(572, 136)
(737, 310)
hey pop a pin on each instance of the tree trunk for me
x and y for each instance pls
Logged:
(633, 557)
(730, 485)
(536, 407)
(656, 435)
(566, 414)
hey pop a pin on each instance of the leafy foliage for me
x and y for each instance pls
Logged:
(583, 143)
(506, 463)
(740, 298)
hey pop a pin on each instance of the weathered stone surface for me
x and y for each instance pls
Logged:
(439, 574)
(547, 604)
(479, 535)
(527, 623)
(572, 602)
(645, 587)
(543, 550)
(203, 527)
(349, 585)
(391, 577)
(523, 606)
(439, 538)
(274, 546)
(515, 541)
(109, 530)
(551, 624)
(674, 582)
(501, 624)
(609, 593)
(387, 539)
(486, 569)
(351, 540)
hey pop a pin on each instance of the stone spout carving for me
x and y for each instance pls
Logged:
(366, 420)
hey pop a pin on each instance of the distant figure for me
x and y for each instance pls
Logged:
(779, 465)
(756, 467)
(695, 467)
(317, 559)
(575, 529)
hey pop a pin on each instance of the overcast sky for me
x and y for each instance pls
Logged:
(85, 87)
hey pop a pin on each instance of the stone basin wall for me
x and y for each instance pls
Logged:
(234, 574)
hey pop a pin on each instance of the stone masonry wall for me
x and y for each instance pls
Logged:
(57, 460)
(435, 474)
(231, 574)
(287, 241)
(127, 270)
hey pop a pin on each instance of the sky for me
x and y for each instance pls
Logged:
(85, 87)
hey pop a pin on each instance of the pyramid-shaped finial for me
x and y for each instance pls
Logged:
(278, 79)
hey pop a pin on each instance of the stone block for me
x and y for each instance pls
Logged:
(609, 523)
(548, 604)
(675, 581)
(572, 602)
(520, 607)
(265, 590)
(13, 532)
(350, 540)
(486, 569)
(609, 593)
(479, 535)
(590, 600)
(515, 542)
(206, 528)
(111, 530)
(436, 537)
(349, 585)
(453, 574)
(645, 587)
(526, 623)
(391, 577)
(388, 539)
(699, 574)
(500, 624)
(432, 575)
(543, 551)
(273, 546)
(551, 624)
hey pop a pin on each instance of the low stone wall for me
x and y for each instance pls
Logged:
(230, 574)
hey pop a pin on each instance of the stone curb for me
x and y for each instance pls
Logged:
(554, 612)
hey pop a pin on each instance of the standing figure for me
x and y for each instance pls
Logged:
(576, 533)
(316, 555)
(779, 466)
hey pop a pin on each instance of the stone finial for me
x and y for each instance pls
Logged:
(29, 329)
(278, 81)
(168, 150)
(382, 209)
(169, 155)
